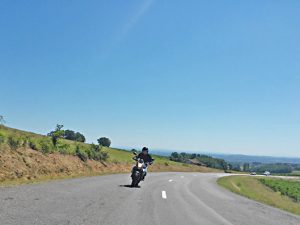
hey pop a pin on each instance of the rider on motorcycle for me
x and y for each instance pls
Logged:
(146, 157)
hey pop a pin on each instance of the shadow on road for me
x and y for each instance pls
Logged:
(128, 186)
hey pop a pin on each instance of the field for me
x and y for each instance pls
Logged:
(27, 157)
(285, 187)
(295, 173)
(253, 188)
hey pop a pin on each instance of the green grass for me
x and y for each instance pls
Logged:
(295, 173)
(252, 188)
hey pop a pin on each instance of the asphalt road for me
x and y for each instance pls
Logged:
(163, 199)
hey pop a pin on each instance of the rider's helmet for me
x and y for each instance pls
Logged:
(145, 150)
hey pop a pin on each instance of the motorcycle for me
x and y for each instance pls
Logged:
(138, 171)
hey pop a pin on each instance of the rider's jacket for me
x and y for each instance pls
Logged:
(147, 158)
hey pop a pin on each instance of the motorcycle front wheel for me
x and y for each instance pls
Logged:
(135, 180)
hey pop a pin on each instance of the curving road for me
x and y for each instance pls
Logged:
(163, 199)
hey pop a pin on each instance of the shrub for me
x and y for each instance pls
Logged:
(81, 154)
(2, 139)
(46, 146)
(63, 148)
(95, 148)
(63, 151)
(104, 156)
(32, 144)
(100, 156)
(25, 143)
(97, 156)
(13, 143)
(95, 153)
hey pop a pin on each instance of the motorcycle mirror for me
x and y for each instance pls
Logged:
(134, 153)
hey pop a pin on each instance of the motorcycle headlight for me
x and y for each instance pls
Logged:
(139, 165)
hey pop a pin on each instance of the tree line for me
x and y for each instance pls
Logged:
(74, 136)
(199, 159)
(274, 168)
(262, 167)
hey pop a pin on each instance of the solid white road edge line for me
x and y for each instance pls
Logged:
(164, 194)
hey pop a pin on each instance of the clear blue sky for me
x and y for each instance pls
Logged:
(219, 76)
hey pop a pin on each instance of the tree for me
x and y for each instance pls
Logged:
(275, 168)
(209, 161)
(246, 167)
(104, 141)
(57, 133)
(66, 134)
(175, 155)
(236, 167)
(71, 135)
(79, 137)
(2, 121)
(193, 156)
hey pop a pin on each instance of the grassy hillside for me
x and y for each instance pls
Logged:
(253, 188)
(27, 157)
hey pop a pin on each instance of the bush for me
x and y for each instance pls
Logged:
(95, 148)
(25, 143)
(32, 144)
(46, 146)
(105, 156)
(2, 139)
(13, 143)
(101, 156)
(97, 156)
(63, 151)
(81, 154)
(95, 153)
(63, 148)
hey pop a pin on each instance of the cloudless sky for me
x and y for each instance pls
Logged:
(214, 76)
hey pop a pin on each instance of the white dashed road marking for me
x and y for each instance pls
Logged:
(170, 180)
(164, 194)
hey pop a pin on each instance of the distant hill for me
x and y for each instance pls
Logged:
(250, 159)
(237, 158)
